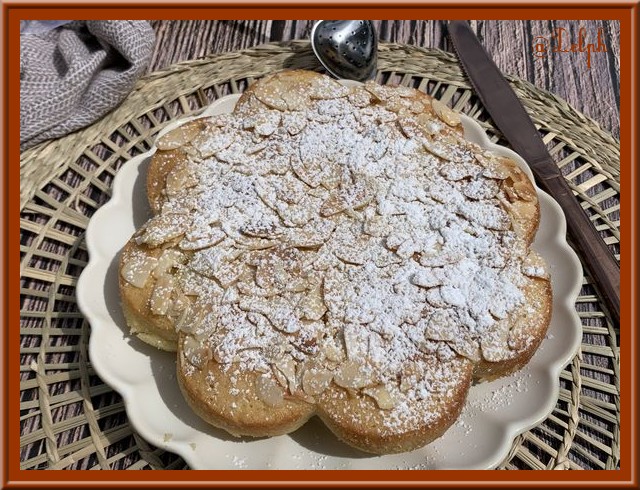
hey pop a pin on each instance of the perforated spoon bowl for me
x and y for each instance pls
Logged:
(348, 49)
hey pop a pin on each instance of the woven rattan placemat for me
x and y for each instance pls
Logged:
(70, 419)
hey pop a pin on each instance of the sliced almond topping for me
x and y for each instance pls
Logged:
(411, 374)
(255, 149)
(294, 122)
(160, 299)
(267, 123)
(352, 255)
(525, 190)
(486, 214)
(352, 197)
(278, 311)
(271, 96)
(229, 273)
(419, 128)
(356, 340)
(287, 366)
(359, 98)
(446, 353)
(426, 278)
(376, 226)
(353, 374)
(309, 167)
(327, 88)
(434, 298)
(447, 116)
(214, 140)
(180, 136)
(280, 378)
(332, 350)
(380, 92)
(441, 325)
(269, 391)
(455, 173)
(382, 397)
(440, 258)
(137, 269)
(195, 352)
(481, 189)
(192, 318)
(282, 317)
(169, 258)
(316, 380)
(404, 91)
(499, 168)
(163, 228)
(206, 239)
(311, 306)
(263, 228)
(179, 179)
(466, 347)
(494, 342)
(295, 214)
(313, 234)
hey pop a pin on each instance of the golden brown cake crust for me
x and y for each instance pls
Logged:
(335, 251)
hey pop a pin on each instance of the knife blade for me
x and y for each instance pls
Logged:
(511, 118)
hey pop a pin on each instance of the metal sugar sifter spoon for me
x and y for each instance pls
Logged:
(346, 48)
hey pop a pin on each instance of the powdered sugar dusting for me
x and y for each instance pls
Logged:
(339, 233)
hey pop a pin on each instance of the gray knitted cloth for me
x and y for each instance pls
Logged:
(73, 75)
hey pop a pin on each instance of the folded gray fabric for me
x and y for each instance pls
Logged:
(73, 75)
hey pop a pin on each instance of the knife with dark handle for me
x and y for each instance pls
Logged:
(511, 118)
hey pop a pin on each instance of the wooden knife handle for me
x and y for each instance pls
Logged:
(589, 245)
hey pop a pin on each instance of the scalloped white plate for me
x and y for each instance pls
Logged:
(494, 415)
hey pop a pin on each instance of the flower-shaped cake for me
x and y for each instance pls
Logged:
(335, 251)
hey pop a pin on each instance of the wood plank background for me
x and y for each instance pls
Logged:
(594, 91)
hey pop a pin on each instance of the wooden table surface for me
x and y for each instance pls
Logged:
(595, 91)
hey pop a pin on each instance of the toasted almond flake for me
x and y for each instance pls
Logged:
(267, 123)
(212, 236)
(426, 278)
(352, 255)
(311, 306)
(160, 299)
(229, 273)
(455, 173)
(499, 168)
(441, 325)
(167, 260)
(179, 179)
(269, 391)
(494, 343)
(163, 228)
(195, 352)
(180, 136)
(466, 347)
(352, 197)
(287, 366)
(316, 380)
(262, 228)
(449, 117)
(525, 190)
(353, 374)
(136, 270)
(382, 397)
(332, 350)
